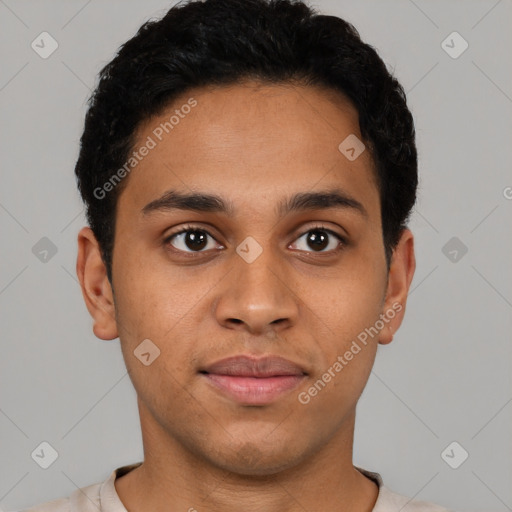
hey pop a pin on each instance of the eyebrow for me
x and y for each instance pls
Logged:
(211, 203)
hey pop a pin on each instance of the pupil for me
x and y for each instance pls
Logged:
(195, 240)
(318, 239)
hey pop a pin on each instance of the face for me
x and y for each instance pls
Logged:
(282, 268)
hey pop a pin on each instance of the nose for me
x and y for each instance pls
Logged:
(257, 297)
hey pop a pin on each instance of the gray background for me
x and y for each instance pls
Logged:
(447, 375)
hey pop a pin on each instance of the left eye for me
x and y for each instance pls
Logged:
(321, 240)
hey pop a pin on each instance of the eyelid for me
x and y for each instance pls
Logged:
(320, 226)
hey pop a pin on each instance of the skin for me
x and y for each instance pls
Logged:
(253, 144)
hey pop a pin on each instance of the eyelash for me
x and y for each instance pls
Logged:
(191, 227)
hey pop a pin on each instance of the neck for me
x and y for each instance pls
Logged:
(174, 478)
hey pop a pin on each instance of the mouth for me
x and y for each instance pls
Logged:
(254, 381)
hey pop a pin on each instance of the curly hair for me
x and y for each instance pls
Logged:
(221, 42)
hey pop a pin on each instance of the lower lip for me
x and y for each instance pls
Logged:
(254, 391)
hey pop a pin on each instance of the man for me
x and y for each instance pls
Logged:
(248, 168)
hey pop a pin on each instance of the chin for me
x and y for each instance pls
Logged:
(250, 459)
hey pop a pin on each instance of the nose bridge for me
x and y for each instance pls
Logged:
(260, 274)
(256, 293)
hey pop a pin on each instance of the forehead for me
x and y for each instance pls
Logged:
(250, 140)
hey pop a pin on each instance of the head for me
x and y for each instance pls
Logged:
(281, 41)
(243, 105)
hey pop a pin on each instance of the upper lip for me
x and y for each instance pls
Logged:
(250, 366)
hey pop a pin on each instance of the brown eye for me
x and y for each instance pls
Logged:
(320, 239)
(190, 240)
(317, 239)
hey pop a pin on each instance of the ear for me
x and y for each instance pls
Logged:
(401, 272)
(96, 288)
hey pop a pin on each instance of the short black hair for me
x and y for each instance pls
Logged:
(224, 42)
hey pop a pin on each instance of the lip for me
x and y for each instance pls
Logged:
(254, 381)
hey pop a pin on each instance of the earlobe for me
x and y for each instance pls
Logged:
(96, 288)
(401, 272)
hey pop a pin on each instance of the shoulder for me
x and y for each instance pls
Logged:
(85, 499)
(389, 501)
(93, 498)
(59, 505)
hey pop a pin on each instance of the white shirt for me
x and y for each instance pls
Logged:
(103, 497)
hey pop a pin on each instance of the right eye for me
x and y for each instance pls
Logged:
(190, 239)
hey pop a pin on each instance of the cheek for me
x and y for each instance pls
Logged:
(348, 303)
(154, 300)
(346, 315)
(150, 309)
(333, 393)
(346, 311)
(161, 304)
